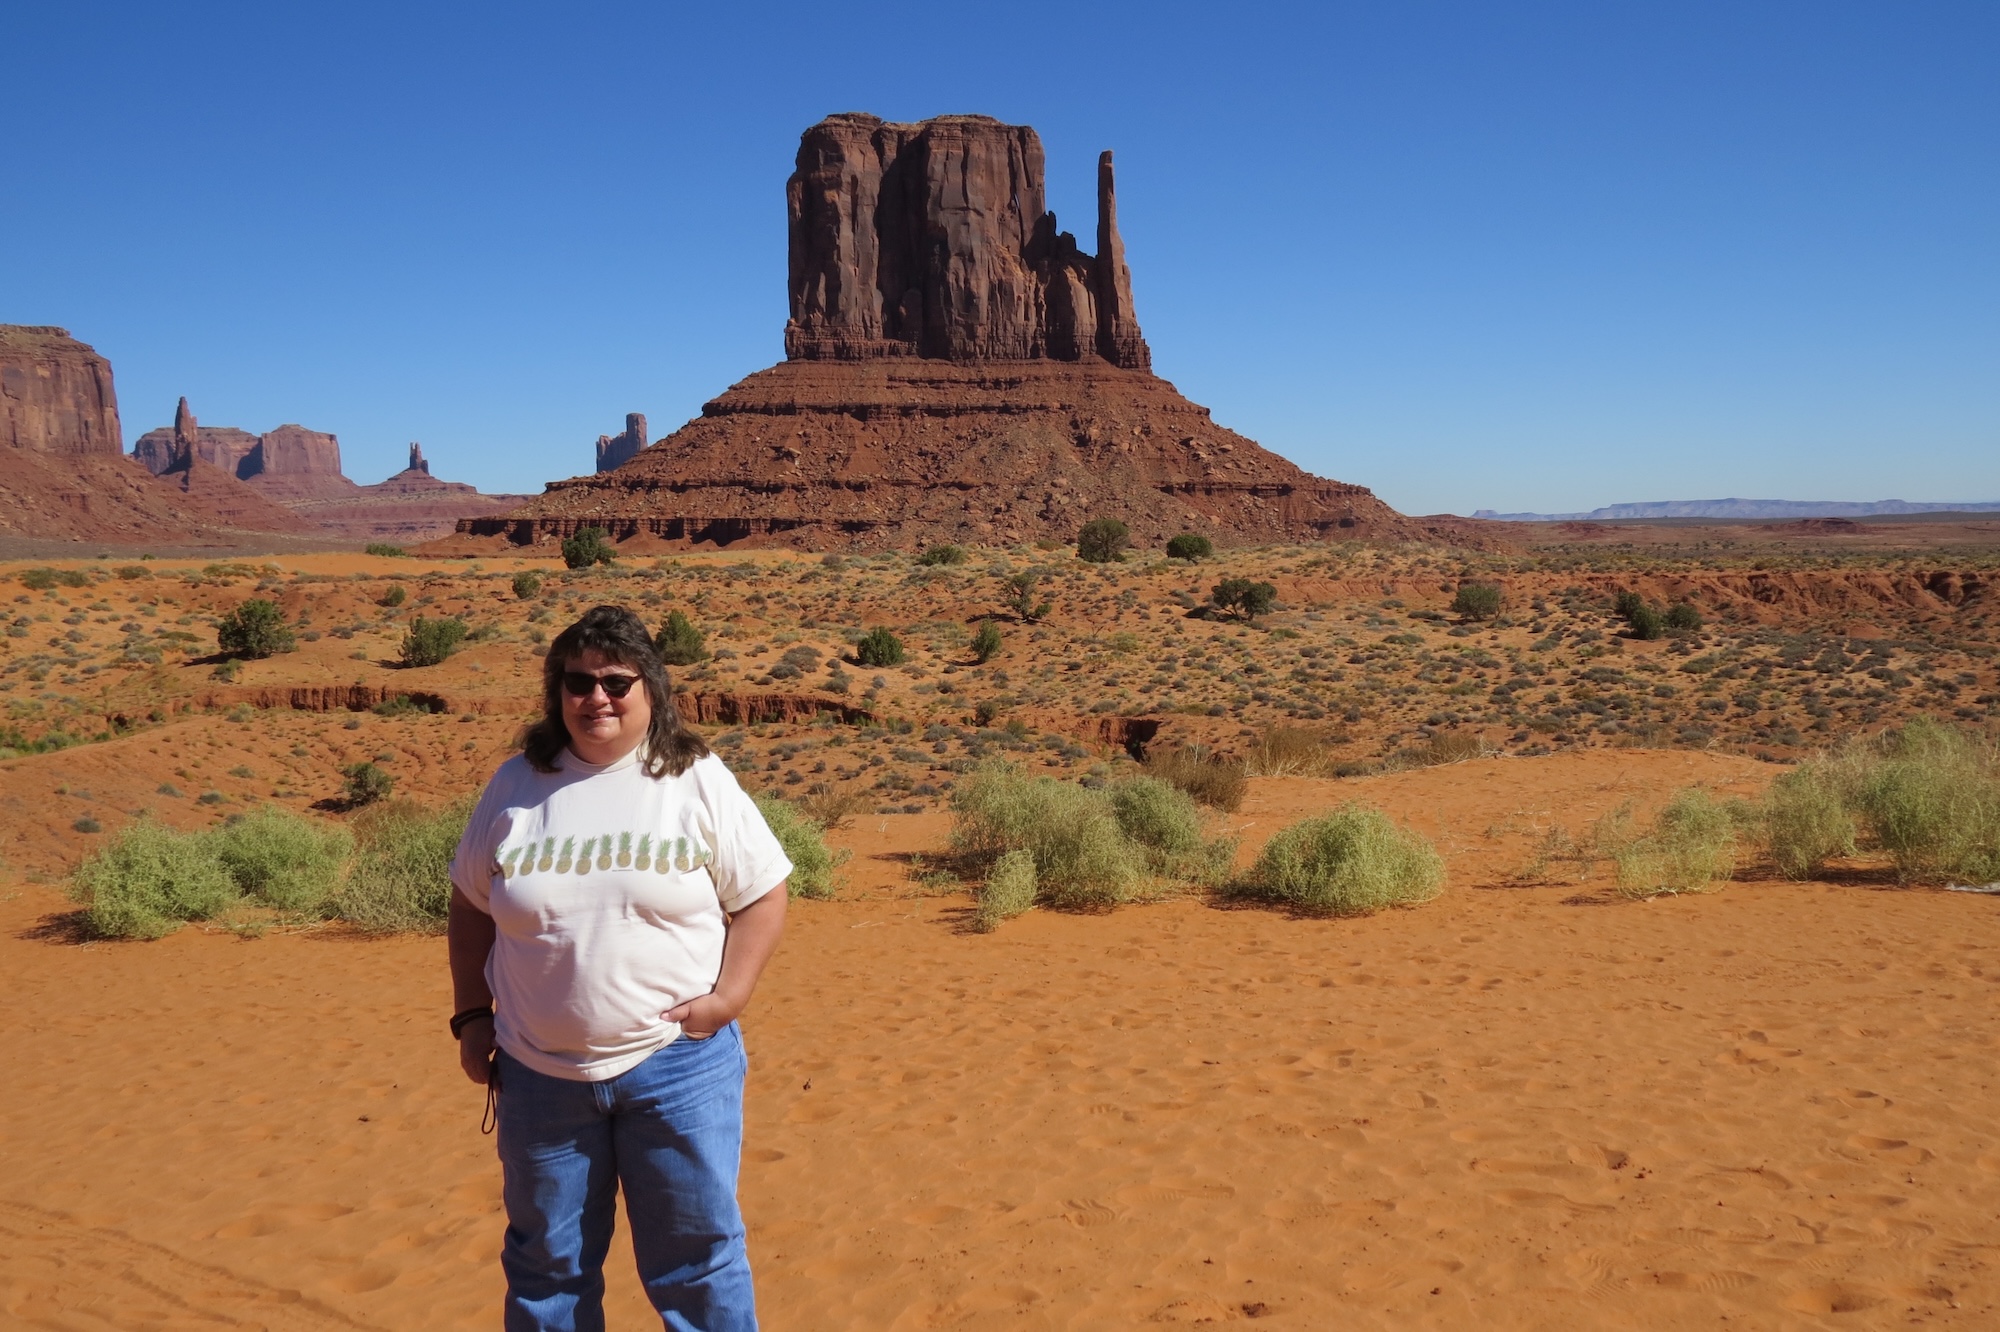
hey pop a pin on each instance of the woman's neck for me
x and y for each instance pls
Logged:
(603, 754)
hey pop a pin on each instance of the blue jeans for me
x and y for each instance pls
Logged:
(670, 1131)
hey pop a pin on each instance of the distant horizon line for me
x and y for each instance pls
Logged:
(1746, 508)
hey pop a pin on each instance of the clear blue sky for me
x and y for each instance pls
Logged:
(1517, 255)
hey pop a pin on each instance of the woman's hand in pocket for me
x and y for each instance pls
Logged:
(703, 1017)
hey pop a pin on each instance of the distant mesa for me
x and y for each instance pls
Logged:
(291, 460)
(1744, 509)
(300, 469)
(957, 368)
(614, 451)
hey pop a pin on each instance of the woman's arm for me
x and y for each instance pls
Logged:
(751, 938)
(469, 939)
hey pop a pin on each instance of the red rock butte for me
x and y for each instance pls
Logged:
(957, 370)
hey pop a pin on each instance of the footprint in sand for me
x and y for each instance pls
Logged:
(1088, 1212)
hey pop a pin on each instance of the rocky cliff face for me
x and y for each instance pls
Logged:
(932, 240)
(56, 394)
(958, 370)
(614, 451)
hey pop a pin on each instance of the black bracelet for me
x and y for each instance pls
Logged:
(459, 1021)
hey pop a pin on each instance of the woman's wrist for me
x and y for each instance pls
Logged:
(467, 1017)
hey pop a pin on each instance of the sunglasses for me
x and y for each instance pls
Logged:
(583, 684)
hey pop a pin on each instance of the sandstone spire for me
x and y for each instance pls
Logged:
(1118, 339)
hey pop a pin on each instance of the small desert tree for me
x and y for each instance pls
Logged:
(1187, 546)
(254, 629)
(1477, 601)
(591, 545)
(431, 641)
(1103, 541)
(879, 647)
(679, 642)
(527, 583)
(1683, 619)
(986, 642)
(364, 784)
(1243, 598)
(942, 555)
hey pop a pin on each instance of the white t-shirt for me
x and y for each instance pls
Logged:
(607, 890)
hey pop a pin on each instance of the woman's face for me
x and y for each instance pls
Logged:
(601, 728)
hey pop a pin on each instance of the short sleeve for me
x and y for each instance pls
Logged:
(472, 865)
(749, 860)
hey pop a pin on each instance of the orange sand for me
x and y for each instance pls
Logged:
(1517, 1107)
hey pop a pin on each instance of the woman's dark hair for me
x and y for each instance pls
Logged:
(622, 639)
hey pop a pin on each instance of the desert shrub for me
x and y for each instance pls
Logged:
(1477, 601)
(1216, 782)
(1626, 604)
(282, 859)
(1348, 862)
(879, 647)
(1081, 856)
(1187, 546)
(383, 548)
(1163, 819)
(1932, 801)
(393, 596)
(1103, 541)
(37, 580)
(937, 555)
(429, 642)
(1287, 751)
(527, 583)
(148, 879)
(591, 545)
(1442, 748)
(130, 572)
(1691, 845)
(679, 642)
(1682, 618)
(1646, 623)
(401, 876)
(803, 838)
(986, 642)
(1808, 819)
(1243, 598)
(1021, 596)
(1009, 891)
(832, 806)
(364, 784)
(254, 629)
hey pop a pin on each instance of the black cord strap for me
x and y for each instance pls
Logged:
(460, 1021)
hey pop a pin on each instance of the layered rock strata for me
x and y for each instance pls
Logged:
(958, 370)
(56, 394)
(907, 451)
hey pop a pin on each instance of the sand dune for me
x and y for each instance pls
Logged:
(1518, 1107)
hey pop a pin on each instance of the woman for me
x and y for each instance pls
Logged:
(614, 899)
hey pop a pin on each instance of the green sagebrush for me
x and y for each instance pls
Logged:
(1347, 862)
